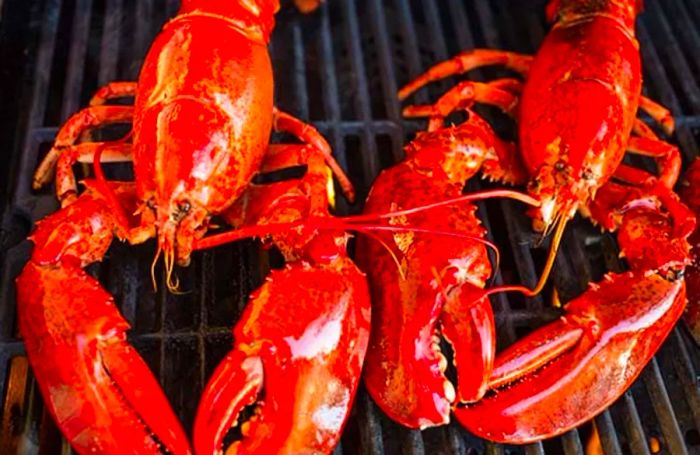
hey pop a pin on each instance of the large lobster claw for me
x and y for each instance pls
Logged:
(102, 394)
(575, 367)
(424, 287)
(297, 356)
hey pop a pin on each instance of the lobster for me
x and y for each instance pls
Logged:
(201, 121)
(576, 117)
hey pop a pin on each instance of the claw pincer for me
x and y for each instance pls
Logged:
(97, 387)
(594, 353)
(424, 286)
(572, 369)
(300, 344)
(297, 358)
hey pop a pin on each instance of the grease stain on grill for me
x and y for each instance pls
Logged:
(339, 68)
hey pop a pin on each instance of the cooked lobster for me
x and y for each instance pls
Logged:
(201, 120)
(576, 119)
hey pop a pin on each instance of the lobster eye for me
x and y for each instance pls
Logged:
(183, 207)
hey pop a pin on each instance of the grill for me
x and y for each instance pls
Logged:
(339, 68)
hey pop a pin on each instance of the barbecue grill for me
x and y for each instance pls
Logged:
(339, 68)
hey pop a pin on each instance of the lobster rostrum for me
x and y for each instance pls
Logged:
(201, 121)
(577, 118)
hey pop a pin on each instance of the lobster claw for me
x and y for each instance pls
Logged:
(298, 354)
(590, 357)
(424, 287)
(101, 393)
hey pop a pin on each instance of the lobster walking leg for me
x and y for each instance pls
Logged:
(310, 135)
(659, 113)
(66, 185)
(112, 91)
(88, 118)
(467, 61)
(98, 389)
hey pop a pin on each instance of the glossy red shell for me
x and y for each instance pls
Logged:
(307, 327)
(203, 114)
(401, 369)
(578, 107)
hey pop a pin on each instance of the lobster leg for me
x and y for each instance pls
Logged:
(71, 131)
(260, 203)
(467, 61)
(310, 135)
(112, 91)
(465, 94)
(668, 157)
(98, 389)
(66, 186)
(659, 113)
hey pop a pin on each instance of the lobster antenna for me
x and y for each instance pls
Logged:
(153, 268)
(169, 260)
(476, 196)
(389, 250)
(323, 224)
(551, 256)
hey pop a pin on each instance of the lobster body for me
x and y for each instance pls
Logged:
(206, 86)
(579, 104)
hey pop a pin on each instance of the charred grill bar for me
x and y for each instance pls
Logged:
(339, 68)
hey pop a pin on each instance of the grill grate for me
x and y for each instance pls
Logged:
(358, 52)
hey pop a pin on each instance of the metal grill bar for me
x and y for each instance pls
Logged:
(360, 51)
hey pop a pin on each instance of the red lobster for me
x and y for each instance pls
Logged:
(202, 119)
(576, 116)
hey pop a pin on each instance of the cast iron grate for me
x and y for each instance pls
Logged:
(339, 68)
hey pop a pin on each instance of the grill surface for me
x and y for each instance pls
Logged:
(358, 52)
